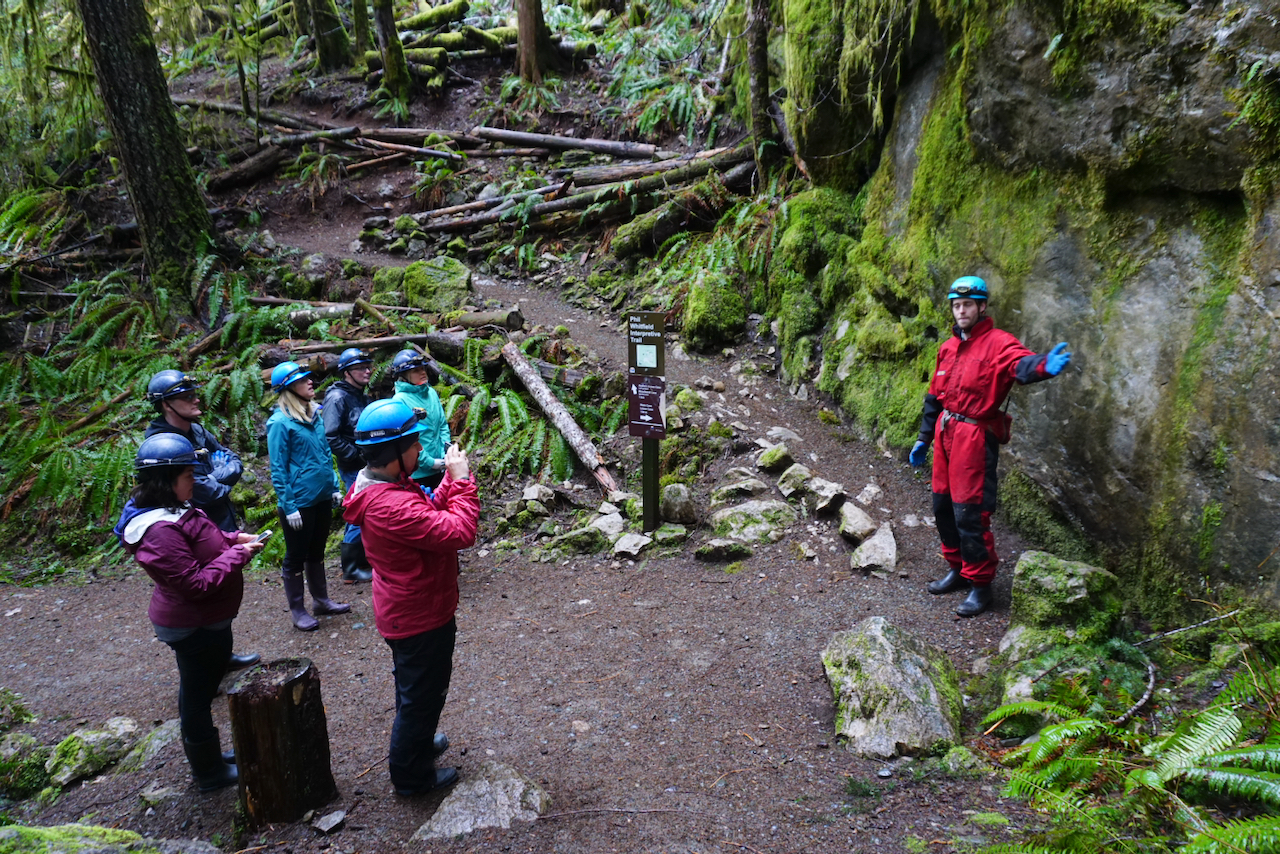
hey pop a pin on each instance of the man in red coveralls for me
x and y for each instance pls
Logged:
(412, 542)
(976, 368)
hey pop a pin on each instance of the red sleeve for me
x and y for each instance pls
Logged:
(166, 554)
(447, 522)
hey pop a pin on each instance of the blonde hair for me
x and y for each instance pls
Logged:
(297, 408)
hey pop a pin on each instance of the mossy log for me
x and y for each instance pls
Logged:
(246, 172)
(696, 208)
(281, 741)
(416, 136)
(430, 56)
(435, 17)
(592, 175)
(545, 140)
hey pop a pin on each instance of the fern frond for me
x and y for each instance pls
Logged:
(1263, 757)
(475, 415)
(1212, 731)
(561, 462)
(1054, 711)
(1245, 783)
(1256, 836)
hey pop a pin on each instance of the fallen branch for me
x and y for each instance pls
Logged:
(377, 161)
(98, 411)
(559, 416)
(283, 119)
(416, 135)
(369, 343)
(591, 175)
(510, 152)
(544, 140)
(260, 165)
(1188, 628)
(412, 149)
(363, 305)
(486, 204)
(314, 136)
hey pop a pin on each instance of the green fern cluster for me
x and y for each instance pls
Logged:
(1110, 787)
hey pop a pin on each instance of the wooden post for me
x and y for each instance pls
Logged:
(281, 741)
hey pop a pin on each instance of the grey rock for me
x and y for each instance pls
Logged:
(149, 745)
(539, 492)
(156, 795)
(775, 459)
(611, 526)
(489, 191)
(783, 434)
(607, 507)
(748, 488)
(620, 498)
(795, 480)
(1059, 602)
(586, 540)
(329, 822)
(631, 545)
(755, 521)
(87, 751)
(537, 508)
(495, 796)
(878, 552)
(377, 222)
(870, 493)
(704, 382)
(855, 524)
(895, 694)
(825, 496)
(668, 534)
(737, 473)
(677, 505)
(721, 549)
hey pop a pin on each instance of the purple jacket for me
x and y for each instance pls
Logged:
(195, 564)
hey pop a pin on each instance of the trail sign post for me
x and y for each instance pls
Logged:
(647, 400)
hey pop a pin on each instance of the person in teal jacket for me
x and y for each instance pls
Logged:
(307, 488)
(413, 387)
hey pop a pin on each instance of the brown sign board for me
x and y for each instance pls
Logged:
(647, 406)
(646, 352)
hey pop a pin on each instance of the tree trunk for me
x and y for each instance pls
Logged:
(758, 76)
(333, 45)
(171, 214)
(395, 69)
(360, 23)
(281, 741)
(534, 49)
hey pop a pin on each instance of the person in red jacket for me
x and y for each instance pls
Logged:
(412, 543)
(976, 369)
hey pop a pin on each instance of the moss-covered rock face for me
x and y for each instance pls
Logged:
(714, 313)
(440, 284)
(1077, 601)
(1141, 224)
(22, 766)
(894, 694)
(86, 752)
(72, 838)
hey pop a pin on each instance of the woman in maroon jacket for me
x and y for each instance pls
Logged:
(196, 567)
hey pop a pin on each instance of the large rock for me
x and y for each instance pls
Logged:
(586, 540)
(89, 838)
(795, 479)
(879, 552)
(895, 694)
(631, 545)
(855, 524)
(439, 285)
(776, 459)
(149, 745)
(494, 796)
(87, 751)
(714, 311)
(754, 521)
(746, 488)
(1059, 602)
(677, 505)
(611, 524)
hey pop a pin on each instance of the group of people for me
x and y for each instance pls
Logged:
(410, 505)
(408, 496)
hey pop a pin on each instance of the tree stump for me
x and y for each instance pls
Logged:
(281, 740)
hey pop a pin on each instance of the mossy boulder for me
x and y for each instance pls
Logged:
(894, 694)
(585, 541)
(149, 745)
(776, 459)
(715, 313)
(688, 400)
(441, 284)
(75, 838)
(87, 751)
(22, 766)
(755, 521)
(1059, 602)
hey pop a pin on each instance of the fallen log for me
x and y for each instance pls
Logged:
(486, 204)
(413, 149)
(432, 56)
(437, 341)
(363, 305)
(591, 175)
(605, 193)
(559, 416)
(314, 136)
(258, 166)
(546, 140)
(410, 136)
(435, 17)
(273, 116)
(97, 412)
(695, 208)
(304, 317)
(377, 161)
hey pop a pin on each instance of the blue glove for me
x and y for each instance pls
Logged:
(1057, 359)
(217, 458)
(918, 450)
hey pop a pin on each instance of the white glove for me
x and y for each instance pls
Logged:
(336, 498)
(438, 464)
(294, 519)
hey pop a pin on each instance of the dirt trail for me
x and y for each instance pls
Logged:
(665, 705)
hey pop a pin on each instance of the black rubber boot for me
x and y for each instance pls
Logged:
(238, 662)
(321, 603)
(439, 744)
(207, 765)
(444, 777)
(353, 563)
(978, 600)
(294, 591)
(948, 583)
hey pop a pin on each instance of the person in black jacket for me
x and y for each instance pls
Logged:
(343, 403)
(176, 398)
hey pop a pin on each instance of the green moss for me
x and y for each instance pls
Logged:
(439, 284)
(68, 838)
(22, 766)
(719, 430)
(405, 224)
(714, 313)
(1025, 507)
(988, 819)
(13, 711)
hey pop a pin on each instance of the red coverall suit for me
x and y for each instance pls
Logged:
(972, 378)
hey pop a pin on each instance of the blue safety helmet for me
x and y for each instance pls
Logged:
(968, 287)
(407, 360)
(166, 449)
(353, 357)
(385, 421)
(170, 383)
(286, 374)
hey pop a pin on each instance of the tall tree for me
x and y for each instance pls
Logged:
(534, 52)
(333, 45)
(758, 84)
(172, 217)
(395, 70)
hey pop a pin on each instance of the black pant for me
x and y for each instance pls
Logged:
(202, 662)
(306, 544)
(423, 666)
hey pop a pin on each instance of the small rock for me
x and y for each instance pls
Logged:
(537, 508)
(795, 479)
(878, 552)
(855, 524)
(327, 823)
(606, 508)
(703, 382)
(722, 549)
(718, 386)
(782, 434)
(539, 492)
(911, 520)
(776, 458)
(630, 545)
(670, 534)
(869, 493)
(611, 525)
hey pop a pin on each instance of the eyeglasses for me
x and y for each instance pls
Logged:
(189, 397)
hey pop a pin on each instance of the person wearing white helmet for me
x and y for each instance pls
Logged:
(306, 491)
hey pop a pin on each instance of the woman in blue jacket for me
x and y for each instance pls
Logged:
(306, 490)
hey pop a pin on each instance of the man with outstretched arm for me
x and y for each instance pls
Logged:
(975, 371)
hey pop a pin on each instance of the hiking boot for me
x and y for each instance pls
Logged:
(207, 765)
(239, 662)
(439, 744)
(948, 583)
(321, 603)
(445, 777)
(978, 600)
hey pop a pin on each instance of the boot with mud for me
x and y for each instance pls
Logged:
(208, 766)
(949, 583)
(978, 600)
(321, 603)
(295, 592)
(355, 566)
